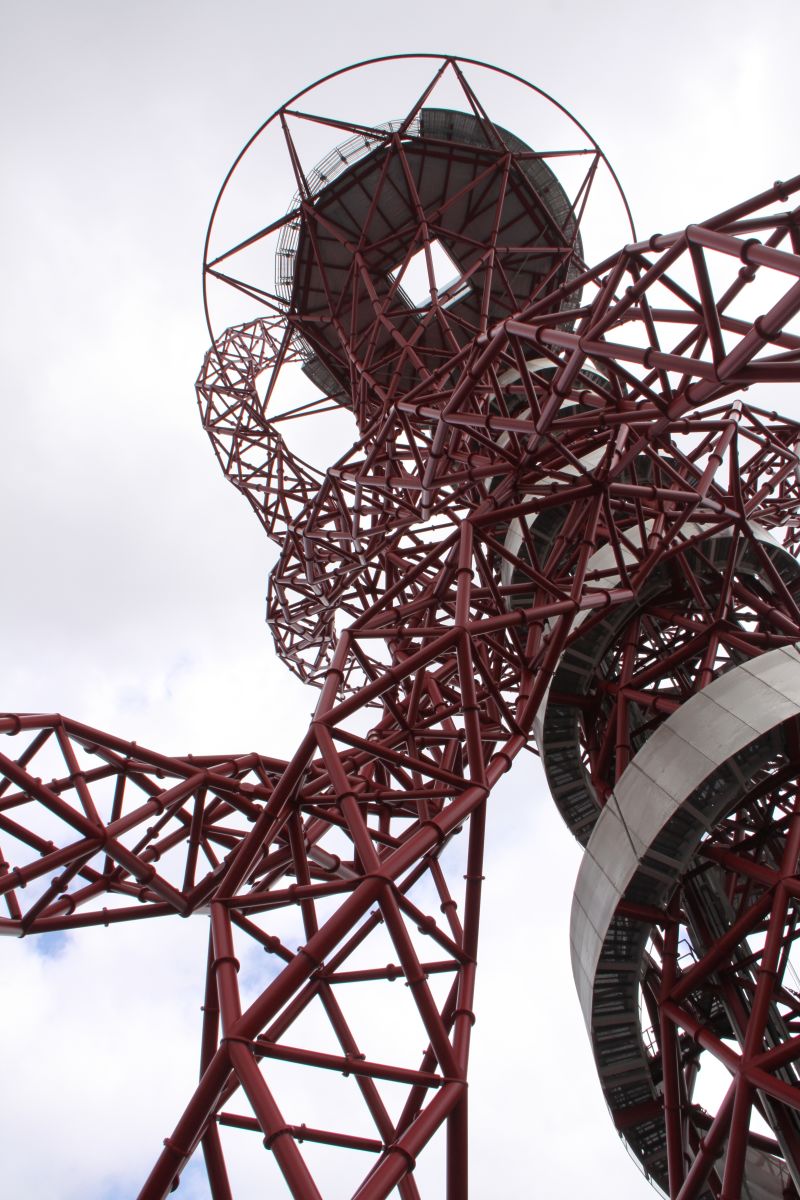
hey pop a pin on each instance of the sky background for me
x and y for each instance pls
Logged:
(134, 575)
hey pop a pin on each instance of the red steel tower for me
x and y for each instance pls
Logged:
(558, 521)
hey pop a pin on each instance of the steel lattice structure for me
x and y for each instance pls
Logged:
(562, 522)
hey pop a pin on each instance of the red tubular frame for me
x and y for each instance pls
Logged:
(597, 416)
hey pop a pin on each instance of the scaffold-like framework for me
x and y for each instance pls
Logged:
(563, 523)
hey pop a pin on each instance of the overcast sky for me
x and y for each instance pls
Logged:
(134, 575)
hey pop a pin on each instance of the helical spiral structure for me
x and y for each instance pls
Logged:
(569, 521)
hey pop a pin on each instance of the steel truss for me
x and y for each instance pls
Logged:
(560, 519)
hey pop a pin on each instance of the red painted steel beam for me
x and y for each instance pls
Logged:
(551, 467)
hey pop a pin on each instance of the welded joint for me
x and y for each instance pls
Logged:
(398, 1148)
(222, 959)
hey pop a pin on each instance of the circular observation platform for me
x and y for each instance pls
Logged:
(467, 208)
